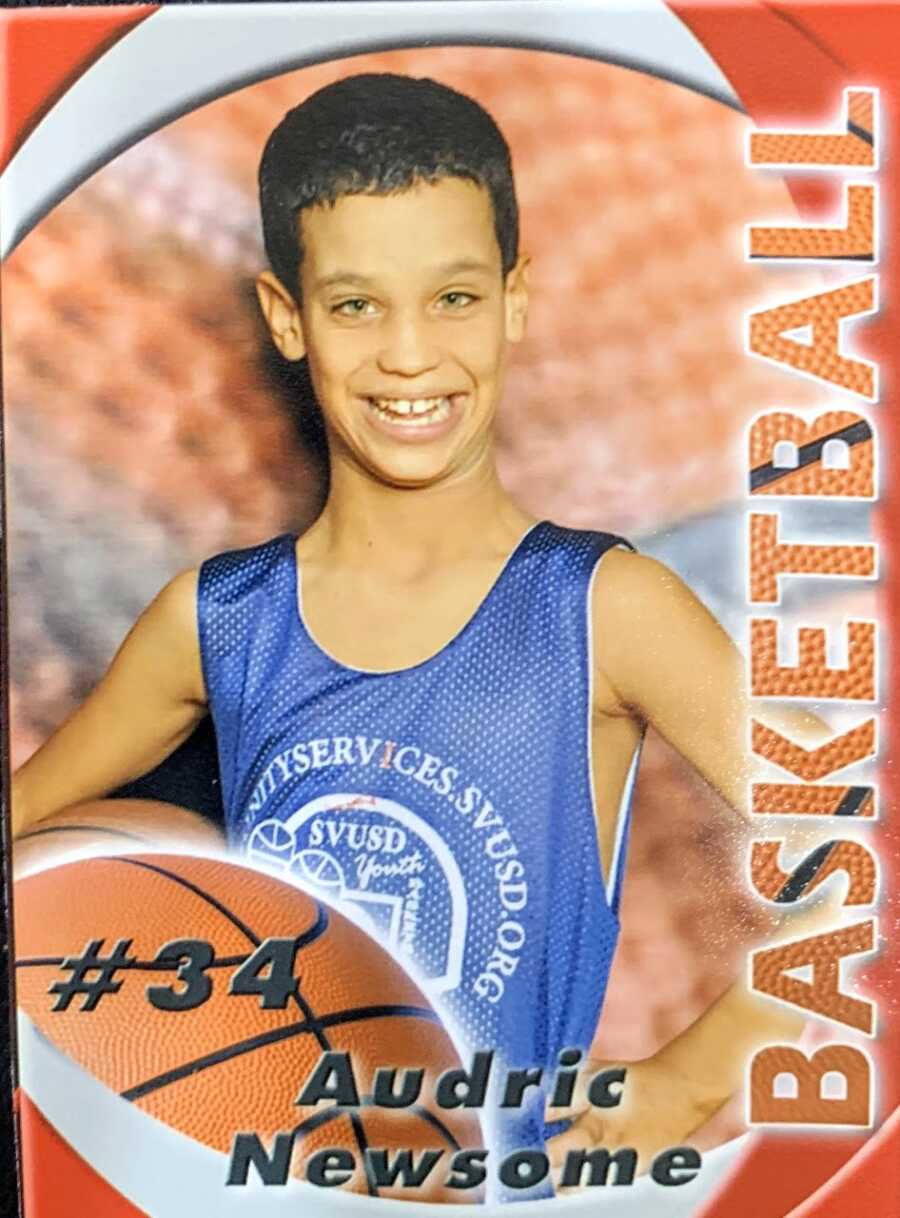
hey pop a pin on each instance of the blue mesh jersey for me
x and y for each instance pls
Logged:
(449, 803)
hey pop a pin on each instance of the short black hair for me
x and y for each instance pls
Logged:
(378, 133)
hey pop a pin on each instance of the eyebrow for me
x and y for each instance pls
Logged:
(329, 281)
(461, 266)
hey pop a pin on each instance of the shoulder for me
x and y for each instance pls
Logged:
(164, 640)
(219, 579)
(626, 586)
(251, 556)
(626, 579)
(236, 572)
(177, 598)
(653, 633)
(173, 612)
(639, 604)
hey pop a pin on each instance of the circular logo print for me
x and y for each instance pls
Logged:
(388, 863)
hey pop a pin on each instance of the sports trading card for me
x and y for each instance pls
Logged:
(450, 551)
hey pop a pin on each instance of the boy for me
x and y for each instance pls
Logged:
(430, 704)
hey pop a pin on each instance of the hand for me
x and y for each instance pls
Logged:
(659, 1108)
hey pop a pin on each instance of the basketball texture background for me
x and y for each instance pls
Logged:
(149, 425)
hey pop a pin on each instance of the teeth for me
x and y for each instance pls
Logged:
(415, 412)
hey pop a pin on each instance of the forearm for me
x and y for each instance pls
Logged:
(51, 780)
(148, 702)
(711, 1054)
(91, 755)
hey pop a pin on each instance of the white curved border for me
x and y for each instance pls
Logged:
(168, 1175)
(180, 57)
(172, 62)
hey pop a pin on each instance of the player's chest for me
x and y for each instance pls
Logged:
(379, 625)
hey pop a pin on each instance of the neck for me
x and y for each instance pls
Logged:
(368, 523)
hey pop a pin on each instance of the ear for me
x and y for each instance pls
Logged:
(282, 316)
(516, 299)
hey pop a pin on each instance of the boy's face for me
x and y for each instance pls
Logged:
(405, 322)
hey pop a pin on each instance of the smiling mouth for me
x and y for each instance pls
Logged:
(414, 412)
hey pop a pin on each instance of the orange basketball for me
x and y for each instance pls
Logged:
(111, 826)
(217, 1063)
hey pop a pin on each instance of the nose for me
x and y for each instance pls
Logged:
(407, 349)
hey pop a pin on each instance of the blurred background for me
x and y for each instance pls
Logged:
(149, 424)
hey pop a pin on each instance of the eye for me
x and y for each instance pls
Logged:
(457, 299)
(356, 306)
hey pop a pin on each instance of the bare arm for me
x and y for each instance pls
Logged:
(673, 665)
(148, 702)
(670, 664)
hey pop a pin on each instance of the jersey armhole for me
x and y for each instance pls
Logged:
(201, 635)
(612, 882)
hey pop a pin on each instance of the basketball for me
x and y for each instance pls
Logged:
(111, 826)
(209, 1027)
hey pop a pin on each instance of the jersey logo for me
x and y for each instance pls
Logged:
(386, 862)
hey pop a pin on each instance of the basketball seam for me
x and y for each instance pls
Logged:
(362, 1142)
(429, 1117)
(426, 1115)
(143, 965)
(318, 1119)
(263, 1039)
(185, 883)
(132, 837)
(314, 1024)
